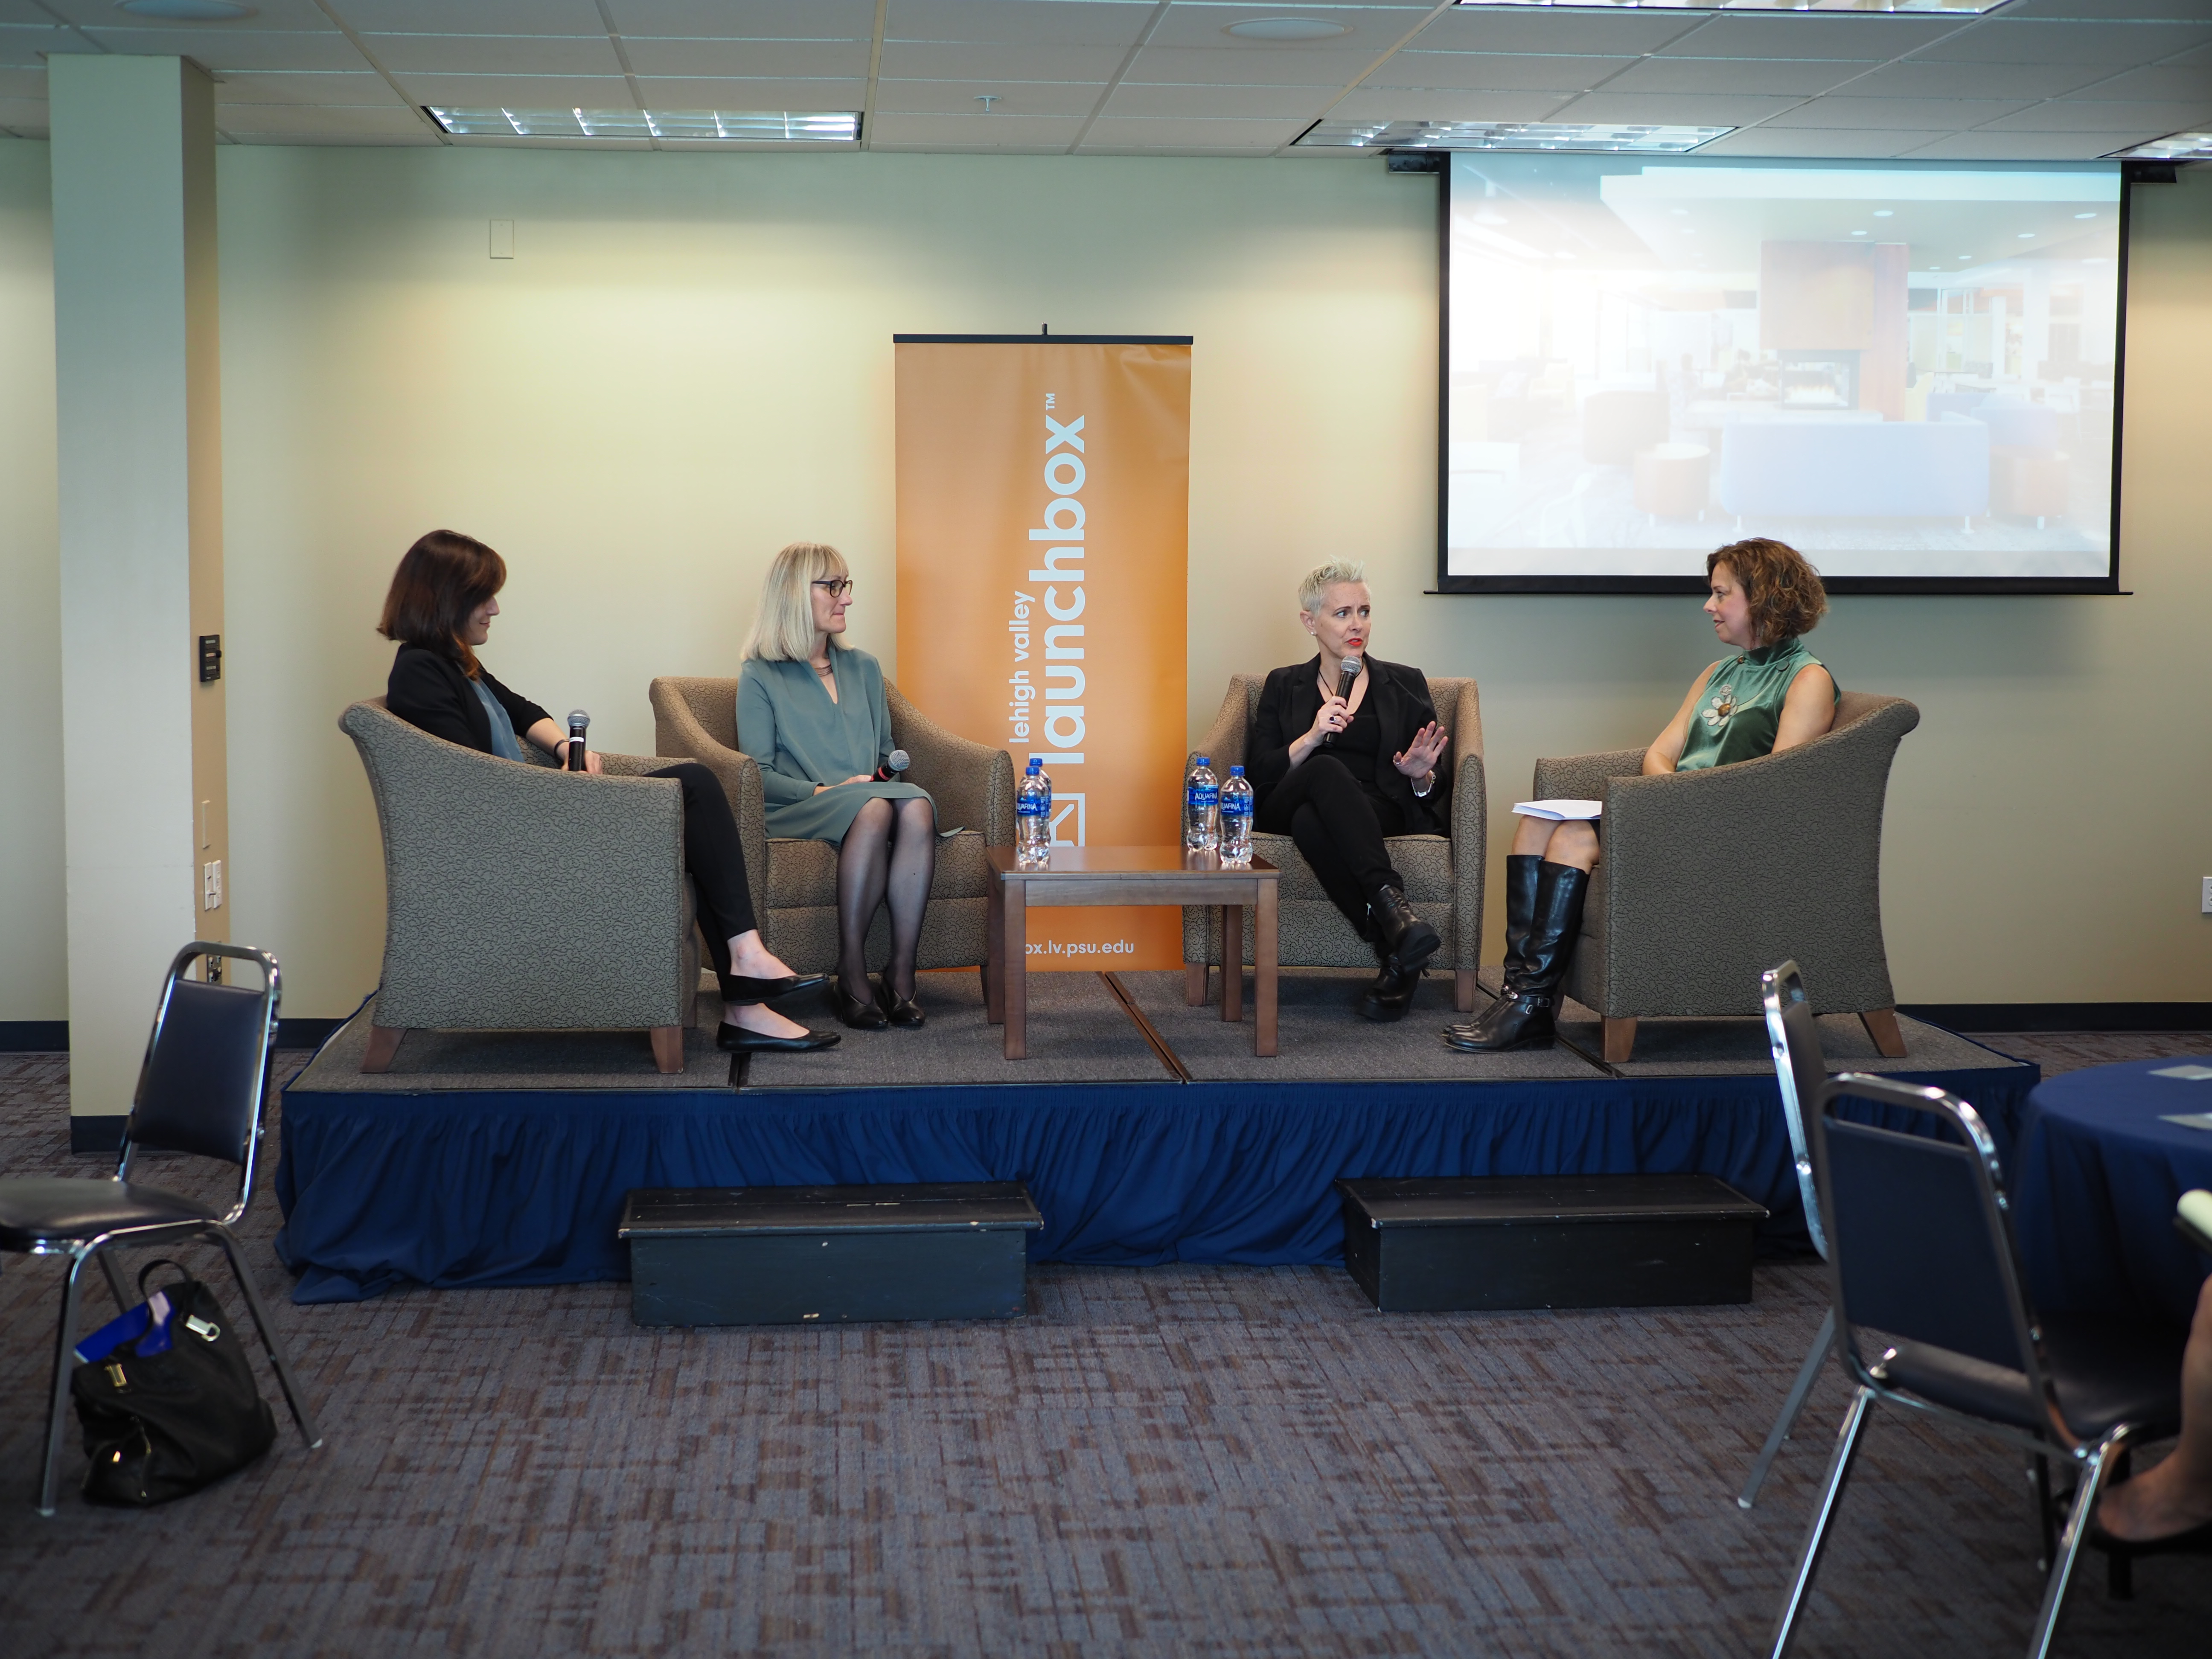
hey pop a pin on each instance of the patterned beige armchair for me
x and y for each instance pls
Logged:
(518, 898)
(1444, 874)
(1711, 878)
(794, 882)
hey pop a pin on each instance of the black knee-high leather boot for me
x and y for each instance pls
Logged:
(1524, 1016)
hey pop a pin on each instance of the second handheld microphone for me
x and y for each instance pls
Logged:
(895, 762)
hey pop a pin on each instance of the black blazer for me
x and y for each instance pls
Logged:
(1291, 700)
(428, 688)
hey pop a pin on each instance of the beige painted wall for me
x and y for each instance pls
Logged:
(688, 363)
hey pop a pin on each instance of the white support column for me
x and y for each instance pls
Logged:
(139, 411)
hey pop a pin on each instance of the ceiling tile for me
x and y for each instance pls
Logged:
(1921, 79)
(472, 16)
(1595, 34)
(234, 48)
(1444, 104)
(1999, 40)
(1499, 71)
(901, 129)
(1372, 28)
(1814, 141)
(19, 47)
(2168, 81)
(2186, 10)
(521, 91)
(1250, 103)
(1188, 66)
(339, 121)
(936, 60)
(752, 20)
(734, 93)
(1018, 22)
(1750, 35)
(284, 86)
(1904, 114)
(97, 14)
(787, 59)
(1757, 75)
(1253, 135)
(495, 54)
(1016, 98)
(1672, 109)
(2081, 115)
(2028, 146)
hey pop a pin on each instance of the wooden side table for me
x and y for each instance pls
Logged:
(1129, 875)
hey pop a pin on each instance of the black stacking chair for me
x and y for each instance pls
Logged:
(202, 1089)
(1931, 1315)
(1802, 1072)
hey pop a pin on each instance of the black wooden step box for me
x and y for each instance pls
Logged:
(803, 1255)
(1632, 1241)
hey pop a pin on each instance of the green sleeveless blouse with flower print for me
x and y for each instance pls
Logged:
(1737, 714)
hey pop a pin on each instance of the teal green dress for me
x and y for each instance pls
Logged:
(787, 722)
(1740, 710)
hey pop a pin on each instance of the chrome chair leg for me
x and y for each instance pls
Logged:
(1793, 1403)
(2086, 1493)
(1816, 1538)
(64, 1343)
(294, 1396)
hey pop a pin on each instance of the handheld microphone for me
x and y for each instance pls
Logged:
(895, 763)
(579, 723)
(1347, 676)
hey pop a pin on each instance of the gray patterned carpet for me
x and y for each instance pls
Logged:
(1180, 1460)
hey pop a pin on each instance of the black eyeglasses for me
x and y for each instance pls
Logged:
(839, 586)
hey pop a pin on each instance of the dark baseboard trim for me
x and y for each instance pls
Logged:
(50, 1036)
(96, 1135)
(2063, 1016)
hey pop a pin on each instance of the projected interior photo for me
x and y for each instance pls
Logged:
(1907, 372)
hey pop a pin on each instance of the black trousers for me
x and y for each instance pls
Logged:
(715, 858)
(1338, 828)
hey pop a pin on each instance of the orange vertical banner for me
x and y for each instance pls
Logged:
(1043, 545)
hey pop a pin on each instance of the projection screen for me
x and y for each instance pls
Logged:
(1909, 372)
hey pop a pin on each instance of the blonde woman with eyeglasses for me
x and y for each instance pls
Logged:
(811, 711)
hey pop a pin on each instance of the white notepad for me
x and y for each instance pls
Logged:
(1559, 811)
(2187, 1073)
(2189, 1120)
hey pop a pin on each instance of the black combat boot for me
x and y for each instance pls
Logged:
(1401, 939)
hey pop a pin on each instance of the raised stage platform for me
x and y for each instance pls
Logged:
(1145, 1129)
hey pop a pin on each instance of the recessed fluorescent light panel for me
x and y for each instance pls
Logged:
(1507, 135)
(680, 126)
(2179, 146)
(1963, 8)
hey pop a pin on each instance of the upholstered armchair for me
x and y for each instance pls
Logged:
(1710, 877)
(1443, 873)
(520, 897)
(794, 882)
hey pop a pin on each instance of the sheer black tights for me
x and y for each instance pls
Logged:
(889, 855)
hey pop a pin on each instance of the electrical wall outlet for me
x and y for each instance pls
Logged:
(211, 885)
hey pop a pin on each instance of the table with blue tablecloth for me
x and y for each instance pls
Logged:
(2099, 1168)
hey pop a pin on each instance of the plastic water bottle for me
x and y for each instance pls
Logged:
(1201, 809)
(1236, 818)
(1033, 817)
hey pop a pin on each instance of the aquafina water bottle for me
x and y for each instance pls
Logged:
(1236, 818)
(1201, 809)
(1033, 817)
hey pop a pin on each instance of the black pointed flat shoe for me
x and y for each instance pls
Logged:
(740, 989)
(736, 1040)
(902, 1012)
(861, 1016)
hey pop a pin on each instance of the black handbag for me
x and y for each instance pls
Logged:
(159, 1425)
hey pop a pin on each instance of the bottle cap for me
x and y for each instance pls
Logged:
(1035, 764)
(1235, 771)
(1206, 760)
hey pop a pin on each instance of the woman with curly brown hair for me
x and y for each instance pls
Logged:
(1772, 694)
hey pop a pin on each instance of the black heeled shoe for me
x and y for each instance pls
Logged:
(739, 989)
(1386, 1000)
(1401, 939)
(901, 1011)
(861, 1016)
(736, 1040)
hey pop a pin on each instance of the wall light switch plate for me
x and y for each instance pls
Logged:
(502, 238)
(2208, 895)
(211, 885)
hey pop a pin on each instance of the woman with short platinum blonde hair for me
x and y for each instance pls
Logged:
(811, 711)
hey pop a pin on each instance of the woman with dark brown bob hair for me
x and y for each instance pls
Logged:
(1772, 694)
(443, 597)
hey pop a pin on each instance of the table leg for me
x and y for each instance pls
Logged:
(1263, 971)
(1016, 947)
(1194, 984)
(1232, 962)
(995, 953)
